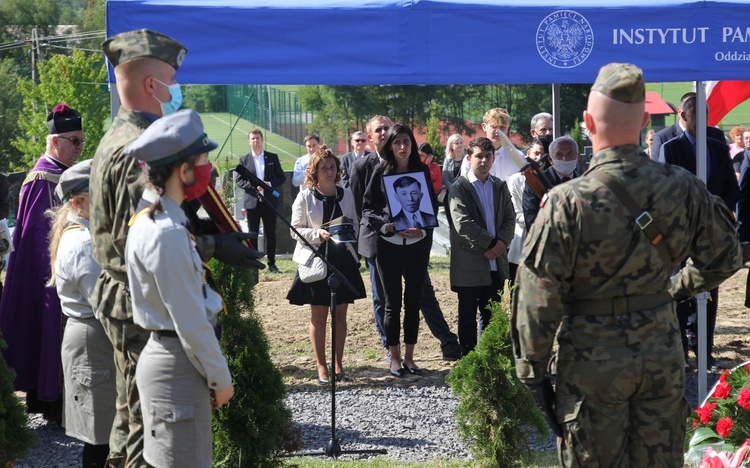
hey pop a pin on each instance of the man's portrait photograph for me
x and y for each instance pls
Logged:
(409, 201)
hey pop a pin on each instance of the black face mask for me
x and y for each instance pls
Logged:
(545, 140)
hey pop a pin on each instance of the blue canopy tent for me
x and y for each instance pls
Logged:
(444, 41)
(419, 42)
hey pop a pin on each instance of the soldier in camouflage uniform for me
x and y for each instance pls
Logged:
(592, 269)
(145, 64)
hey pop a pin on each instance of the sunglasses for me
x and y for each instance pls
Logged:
(360, 140)
(76, 141)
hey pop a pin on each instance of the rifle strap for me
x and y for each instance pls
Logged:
(643, 218)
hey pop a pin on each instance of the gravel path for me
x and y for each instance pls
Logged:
(412, 424)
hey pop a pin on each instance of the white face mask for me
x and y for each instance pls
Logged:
(564, 168)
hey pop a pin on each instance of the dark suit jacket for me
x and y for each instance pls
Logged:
(4, 197)
(347, 161)
(666, 134)
(375, 205)
(722, 180)
(530, 201)
(361, 174)
(274, 175)
(403, 222)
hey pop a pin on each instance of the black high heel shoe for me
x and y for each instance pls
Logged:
(398, 373)
(411, 370)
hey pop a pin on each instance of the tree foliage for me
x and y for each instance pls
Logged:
(17, 19)
(495, 410)
(10, 104)
(340, 110)
(79, 82)
(15, 438)
(255, 426)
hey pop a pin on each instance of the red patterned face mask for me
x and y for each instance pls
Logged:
(202, 179)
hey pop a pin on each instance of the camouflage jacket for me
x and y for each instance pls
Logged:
(115, 192)
(585, 245)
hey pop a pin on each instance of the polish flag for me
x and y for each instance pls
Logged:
(723, 96)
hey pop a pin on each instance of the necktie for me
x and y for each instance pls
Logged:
(565, 178)
(415, 221)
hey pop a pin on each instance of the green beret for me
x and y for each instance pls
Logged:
(144, 43)
(622, 82)
(171, 138)
(75, 179)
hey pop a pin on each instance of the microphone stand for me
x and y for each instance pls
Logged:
(335, 279)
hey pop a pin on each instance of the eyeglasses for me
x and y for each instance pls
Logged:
(76, 141)
(360, 140)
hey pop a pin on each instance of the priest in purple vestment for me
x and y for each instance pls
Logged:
(31, 321)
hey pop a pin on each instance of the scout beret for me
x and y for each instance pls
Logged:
(75, 179)
(144, 43)
(63, 119)
(622, 82)
(171, 138)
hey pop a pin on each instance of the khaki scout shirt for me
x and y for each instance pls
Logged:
(585, 246)
(162, 259)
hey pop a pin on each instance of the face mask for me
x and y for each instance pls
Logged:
(172, 106)
(202, 179)
(564, 168)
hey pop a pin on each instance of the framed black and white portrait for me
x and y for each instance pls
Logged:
(409, 201)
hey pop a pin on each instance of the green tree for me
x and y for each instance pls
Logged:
(205, 98)
(15, 437)
(255, 426)
(496, 413)
(10, 109)
(17, 19)
(433, 136)
(79, 82)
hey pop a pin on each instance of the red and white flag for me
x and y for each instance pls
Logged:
(723, 96)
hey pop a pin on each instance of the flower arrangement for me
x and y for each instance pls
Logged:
(722, 422)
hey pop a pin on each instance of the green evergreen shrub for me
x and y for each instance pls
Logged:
(496, 414)
(255, 426)
(15, 437)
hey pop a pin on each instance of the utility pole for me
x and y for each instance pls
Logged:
(34, 54)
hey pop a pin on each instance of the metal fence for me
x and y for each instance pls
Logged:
(275, 110)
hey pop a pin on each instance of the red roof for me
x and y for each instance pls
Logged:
(655, 105)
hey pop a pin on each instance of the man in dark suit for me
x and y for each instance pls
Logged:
(743, 216)
(409, 194)
(564, 157)
(362, 170)
(267, 167)
(722, 182)
(359, 141)
(666, 134)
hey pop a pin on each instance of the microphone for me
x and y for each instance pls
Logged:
(245, 174)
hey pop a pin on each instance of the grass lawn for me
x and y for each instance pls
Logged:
(218, 126)
(540, 459)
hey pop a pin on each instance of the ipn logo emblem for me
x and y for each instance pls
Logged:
(564, 39)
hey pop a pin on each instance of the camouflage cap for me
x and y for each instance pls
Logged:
(622, 82)
(171, 138)
(75, 179)
(144, 43)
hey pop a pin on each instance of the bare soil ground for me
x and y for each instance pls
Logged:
(364, 359)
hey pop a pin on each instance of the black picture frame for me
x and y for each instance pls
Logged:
(401, 215)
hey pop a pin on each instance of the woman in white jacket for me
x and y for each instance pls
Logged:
(320, 202)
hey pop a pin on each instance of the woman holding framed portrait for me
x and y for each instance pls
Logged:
(399, 204)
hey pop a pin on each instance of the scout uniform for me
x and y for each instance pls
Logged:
(115, 193)
(182, 360)
(590, 265)
(88, 367)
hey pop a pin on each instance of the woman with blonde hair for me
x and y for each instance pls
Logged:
(454, 156)
(87, 354)
(321, 201)
(650, 143)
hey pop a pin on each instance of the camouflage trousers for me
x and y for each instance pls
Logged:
(622, 412)
(126, 439)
